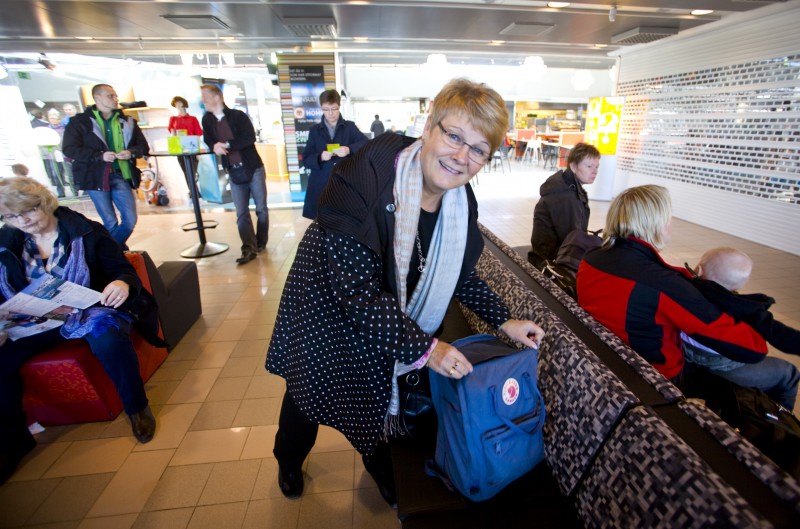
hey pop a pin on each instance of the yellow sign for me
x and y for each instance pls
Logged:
(174, 145)
(602, 123)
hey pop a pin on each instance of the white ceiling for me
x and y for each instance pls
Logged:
(366, 32)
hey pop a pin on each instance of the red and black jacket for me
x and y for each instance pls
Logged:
(647, 303)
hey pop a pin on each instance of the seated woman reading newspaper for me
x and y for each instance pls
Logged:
(38, 238)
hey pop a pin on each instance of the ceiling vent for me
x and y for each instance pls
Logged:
(526, 29)
(642, 35)
(310, 26)
(197, 21)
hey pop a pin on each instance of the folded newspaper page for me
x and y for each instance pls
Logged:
(43, 305)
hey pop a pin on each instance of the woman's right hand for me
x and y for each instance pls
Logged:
(448, 361)
(325, 156)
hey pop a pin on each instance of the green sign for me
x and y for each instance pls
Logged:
(24, 75)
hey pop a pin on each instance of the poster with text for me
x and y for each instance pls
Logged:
(307, 83)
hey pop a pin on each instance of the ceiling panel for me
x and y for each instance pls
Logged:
(397, 31)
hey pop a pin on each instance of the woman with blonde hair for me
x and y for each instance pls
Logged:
(627, 286)
(38, 238)
(395, 239)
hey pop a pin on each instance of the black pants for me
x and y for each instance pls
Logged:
(296, 437)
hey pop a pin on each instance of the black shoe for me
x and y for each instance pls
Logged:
(9, 459)
(143, 425)
(246, 258)
(291, 483)
(261, 248)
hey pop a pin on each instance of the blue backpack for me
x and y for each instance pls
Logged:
(490, 422)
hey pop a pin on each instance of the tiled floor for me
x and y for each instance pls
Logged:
(210, 464)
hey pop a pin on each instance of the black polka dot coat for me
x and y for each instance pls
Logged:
(339, 328)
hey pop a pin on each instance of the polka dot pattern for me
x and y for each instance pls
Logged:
(339, 331)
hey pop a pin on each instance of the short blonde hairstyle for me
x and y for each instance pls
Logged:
(19, 194)
(482, 106)
(642, 212)
(727, 266)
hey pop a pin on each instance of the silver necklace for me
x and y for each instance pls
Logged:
(421, 266)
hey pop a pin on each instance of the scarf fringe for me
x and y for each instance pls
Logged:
(438, 281)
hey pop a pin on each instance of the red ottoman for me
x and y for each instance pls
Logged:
(68, 385)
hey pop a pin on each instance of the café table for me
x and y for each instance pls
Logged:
(204, 248)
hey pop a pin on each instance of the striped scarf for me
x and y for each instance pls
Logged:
(439, 279)
(73, 268)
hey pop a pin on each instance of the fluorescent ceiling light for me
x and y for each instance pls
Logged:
(582, 80)
(436, 59)
(701, 12)
(535, 65)
(557, 5)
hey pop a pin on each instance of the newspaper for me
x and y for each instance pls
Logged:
(43, 305)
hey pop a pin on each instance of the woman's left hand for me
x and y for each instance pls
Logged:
(114, 294)
(523, 331)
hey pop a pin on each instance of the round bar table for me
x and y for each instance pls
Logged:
(203, 248)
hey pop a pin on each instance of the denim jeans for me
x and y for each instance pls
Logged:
(774, 376)
(241, 194)
(121, 195)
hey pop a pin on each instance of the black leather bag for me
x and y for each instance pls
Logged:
(769, 426)
(144, 310)
(417, 416)
(240, 175)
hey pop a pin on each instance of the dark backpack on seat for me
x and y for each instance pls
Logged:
(574, 247)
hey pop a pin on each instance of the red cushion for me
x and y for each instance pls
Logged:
(68, 385)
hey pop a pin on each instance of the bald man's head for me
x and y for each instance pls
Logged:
(729, 267)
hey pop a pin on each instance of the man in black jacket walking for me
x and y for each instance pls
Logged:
(230, 134)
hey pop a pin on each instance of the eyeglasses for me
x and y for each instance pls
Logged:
(476, 154)
(14, 218)
(330, 110)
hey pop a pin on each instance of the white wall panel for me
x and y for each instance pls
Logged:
(512, 82)
(714, 115)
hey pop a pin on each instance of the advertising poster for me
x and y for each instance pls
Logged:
(307, 83)
(602, 123)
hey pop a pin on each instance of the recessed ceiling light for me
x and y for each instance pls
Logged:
(497, 42)
(557, 5)
(361, 39)
(601, 45)
(700, 12)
